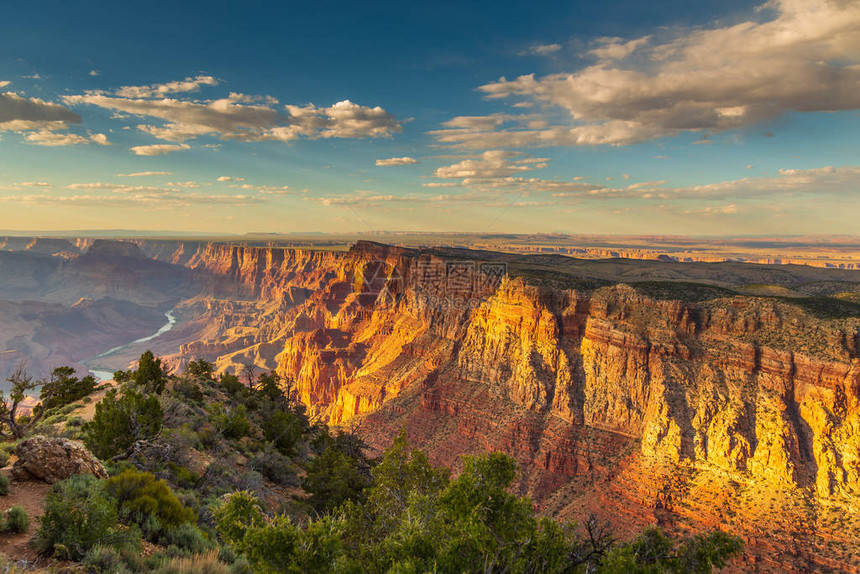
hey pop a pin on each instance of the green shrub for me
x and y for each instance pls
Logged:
(16, 520)
(239, 511)
(284, 429)
(201, 564)
(120, 422)
(276, 467)
(4, 485)
(102, 558)
(232, 423)
(6, 450)
(189, 390)
(79, 515)
(146, 501)
(183, 477)
(75, 422)
(231, 384)
(188, 538)
(207, 435)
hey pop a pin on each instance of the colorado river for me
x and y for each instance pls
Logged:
(104, 375)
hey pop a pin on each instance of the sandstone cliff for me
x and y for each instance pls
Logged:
(718, 410)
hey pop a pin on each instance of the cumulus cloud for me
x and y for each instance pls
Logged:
(491, 164)
(100, 139)
(509, 131)
(18, 113)
(39, 121)
(229, 178)
(396, 161)
(54, 139)
(94, 73)
(4, 83)
(144, 173)
(158, 149)
(617, 48)
(801, 56)
(240, 117)
(541, 50)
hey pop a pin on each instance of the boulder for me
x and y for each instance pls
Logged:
(51, 459)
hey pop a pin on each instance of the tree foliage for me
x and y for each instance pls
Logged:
(120, 422)
(200, 368)
(150, 374)
(339, 473)
(64, 388)
(61, 389)
(414, 518)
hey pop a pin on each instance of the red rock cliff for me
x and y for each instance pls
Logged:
(737, 412)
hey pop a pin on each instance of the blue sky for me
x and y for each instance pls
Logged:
(584, 117)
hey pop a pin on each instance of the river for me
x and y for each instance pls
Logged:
(103, 375)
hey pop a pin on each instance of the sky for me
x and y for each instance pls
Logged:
(615, 117)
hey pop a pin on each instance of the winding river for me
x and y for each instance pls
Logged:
(103, 375)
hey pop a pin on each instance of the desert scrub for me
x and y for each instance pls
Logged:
(78, 516)
(148, 502)
(16, 519)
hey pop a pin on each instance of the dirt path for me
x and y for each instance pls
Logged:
(30, 496)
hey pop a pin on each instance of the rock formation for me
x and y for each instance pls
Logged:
(645, 392)
(53, 459)
(733, 411)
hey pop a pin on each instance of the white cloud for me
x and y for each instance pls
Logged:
(396, 161)
(270, 189)
(158, 149)
(156, 201)
(35, 184)
(54, 139)
(100, 139)
(541, 50)
(802, 56)
(183, 184)
(365, 199)
(229, 178)
(94, 73)
(517, 134)
(144, 173)
(440, 184)
(39, 121)
(4, 83)
(232, 119)
(15, 108)
(491, 164)
(161, 90)
(617, 49)
(246, 99)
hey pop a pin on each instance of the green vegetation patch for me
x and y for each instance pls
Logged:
(825, 307)
(681, 291)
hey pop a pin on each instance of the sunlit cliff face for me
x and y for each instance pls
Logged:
(725, 410)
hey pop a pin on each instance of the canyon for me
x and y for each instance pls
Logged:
(690, 395)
